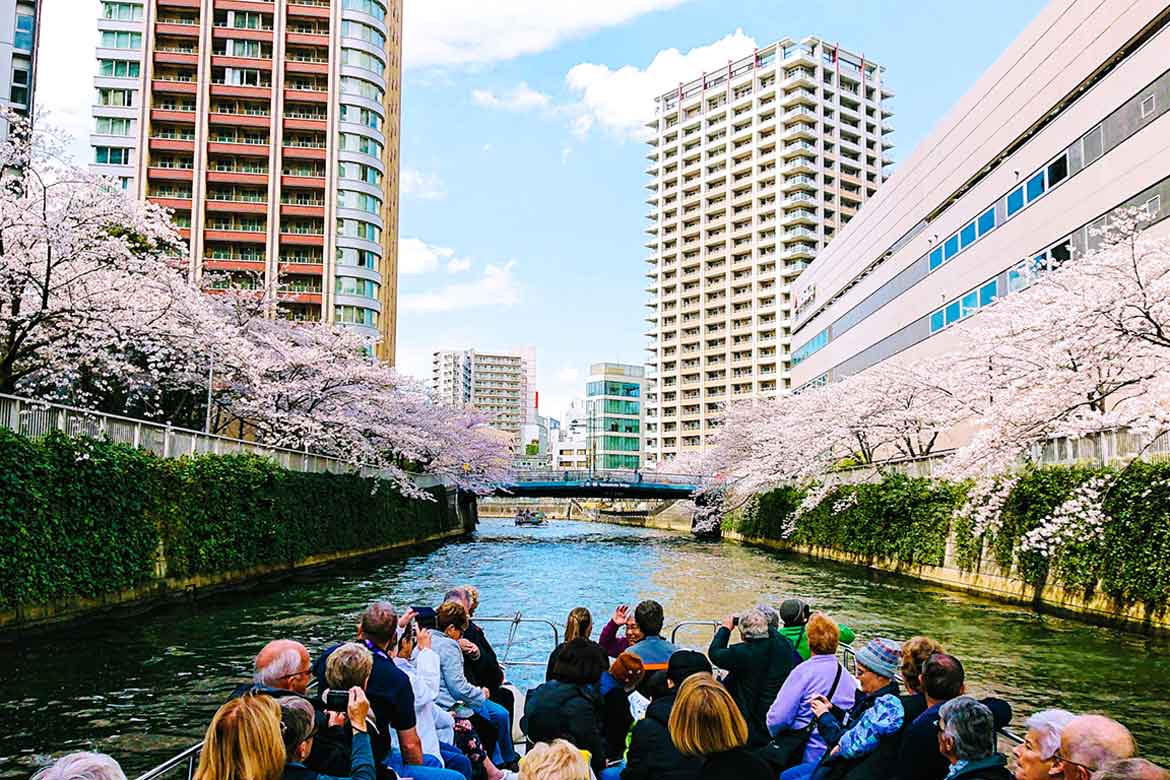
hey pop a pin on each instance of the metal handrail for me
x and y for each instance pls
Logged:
(188, 757)
(515, 622)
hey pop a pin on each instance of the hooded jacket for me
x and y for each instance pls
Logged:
(573, 712)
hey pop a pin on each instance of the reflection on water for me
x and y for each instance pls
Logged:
(143, 688)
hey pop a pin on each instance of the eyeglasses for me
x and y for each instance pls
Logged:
(295, 674)
(1058, 757)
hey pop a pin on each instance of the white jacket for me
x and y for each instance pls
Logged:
(423, 672)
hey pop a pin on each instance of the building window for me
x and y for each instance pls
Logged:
(1093, 144)
(936, 258)
(25, 26)
(951, 247)
(1152, 207)
(967, 236)
(112, 126)
(1035, 186)
(1015, 201)
(988, 292)
(114, 97)
(122, 12)
(937, 321)
(112, 39)
(111, 155)
(986, 222)
(1148, 105)
(120, 69)
(371, 7)
(952, 312)
(1057, 171)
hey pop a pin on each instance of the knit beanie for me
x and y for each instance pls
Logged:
(627, 669)
(683, 663)
(881, 656)
(794, 612)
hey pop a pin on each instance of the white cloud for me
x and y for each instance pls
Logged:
(622, 100)
(467, 32)
(423, 186)
(458, 265)
(65, 70)
(519, 98)
(565, 153)
(496, 287)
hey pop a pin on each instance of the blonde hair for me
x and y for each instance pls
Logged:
(556, 760)
(472, 598)
(915, 651)
(580, 623)
(349, 665)
(243, 742)
(823, 634)
(705, 719)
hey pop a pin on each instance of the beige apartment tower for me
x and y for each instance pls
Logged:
(498, 384)
(754, 169)
(270, 128)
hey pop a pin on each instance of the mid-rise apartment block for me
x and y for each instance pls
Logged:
(754, 169)
(270, 128)
(1071, 123)
(498, 384)
(615, 415)
(19, 38)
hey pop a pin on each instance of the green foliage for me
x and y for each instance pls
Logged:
(907, 521)
(900, 518)
(86, 518)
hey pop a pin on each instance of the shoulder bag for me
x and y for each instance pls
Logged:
(787, 748)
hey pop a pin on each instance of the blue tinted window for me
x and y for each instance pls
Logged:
(970, 303)
(986, 222)
(967, 235)
(1035, 186)
(951, 247)
(1039, 262)
(987, 293)
(1015, 201)
(936, 258)
(936, 321)
(952, 312)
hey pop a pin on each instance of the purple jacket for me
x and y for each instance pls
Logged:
(791, 710)
(613, 644)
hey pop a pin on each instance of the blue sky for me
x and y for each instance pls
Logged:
(523, 210)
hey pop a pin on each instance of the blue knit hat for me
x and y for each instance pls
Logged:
(881, 656)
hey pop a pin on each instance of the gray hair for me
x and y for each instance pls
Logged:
(1048, 725)
(82, 766)
(972, 727)
(1131, 769)
(285, 664)
(296, 720)
(753, 624)
(771, 614)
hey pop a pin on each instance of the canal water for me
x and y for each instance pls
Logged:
(144, 688)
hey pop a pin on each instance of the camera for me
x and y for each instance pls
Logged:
(336, 701)
(425, 616)
(735, 621)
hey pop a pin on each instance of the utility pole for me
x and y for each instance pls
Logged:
(210, 380)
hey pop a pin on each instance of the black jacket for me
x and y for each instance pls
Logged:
(615, 717)
(573, 712)
(484, 671)
(738, 764)
(652, 754)
(758, 668)
(918, 758)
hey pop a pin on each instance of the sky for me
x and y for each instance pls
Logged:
(523, 162)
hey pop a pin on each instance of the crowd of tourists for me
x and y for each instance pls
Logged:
(422, 695)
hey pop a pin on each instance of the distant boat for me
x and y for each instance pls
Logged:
(530, 518)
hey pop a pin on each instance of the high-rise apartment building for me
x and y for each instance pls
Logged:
(615, 415)
(271, 128)
(1070, 123)
(754, 169)
(19, 38)
(497, 384)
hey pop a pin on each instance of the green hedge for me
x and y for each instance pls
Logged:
(87, 518)
(908, 521)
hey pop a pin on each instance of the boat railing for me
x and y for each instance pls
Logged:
(187, 759)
